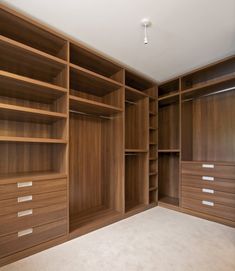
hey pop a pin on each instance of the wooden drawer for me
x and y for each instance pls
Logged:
(219, 184)
(218, 210)
(13, 189)
(29, 237)
(226, 171)
(211, 195)
(18, 204)
(28, 218)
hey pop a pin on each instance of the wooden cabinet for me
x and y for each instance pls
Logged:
(85, 141)
(196, 113)
(78, 139)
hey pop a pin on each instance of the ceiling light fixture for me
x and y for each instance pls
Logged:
(145, 23)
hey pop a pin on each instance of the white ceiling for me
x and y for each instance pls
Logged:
(185, 34)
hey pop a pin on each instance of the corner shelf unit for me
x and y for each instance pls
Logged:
(195, 126)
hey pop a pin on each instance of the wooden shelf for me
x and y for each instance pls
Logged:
(90, 82)
(169, 200)
(20, 113)
(21, 87)
(91, 216)
(153, 173)
(152, 128)
(137, 82)
(153, 188)
(169, 99)
(152, 158)
(152, 113)
(211, 86)
(133, 205)
(94, 62)
(169, 150)
(25, 176)
(168, 89)
(32, 140)
(23, 61)
(136, 150)
(92, 107)
(152, 143)
(30, 50)
(30, 34)
(133, 95)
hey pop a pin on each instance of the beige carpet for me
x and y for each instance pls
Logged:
(158, 239)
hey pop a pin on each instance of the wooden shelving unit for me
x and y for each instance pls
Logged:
(195, 131)
(169, 142)
(101, 137)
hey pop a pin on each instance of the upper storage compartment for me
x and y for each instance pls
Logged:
(210, 75)
(137, 82)
(95, 63)
(168, 88)
(25, 62)
(22, 31)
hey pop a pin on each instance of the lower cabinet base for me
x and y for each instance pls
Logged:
(76, 233)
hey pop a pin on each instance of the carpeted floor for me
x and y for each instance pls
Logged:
(158, 239)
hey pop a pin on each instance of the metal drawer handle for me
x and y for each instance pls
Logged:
(210, 191)
(25, 213)
(25, 232)
(24, 199)
(207, 178)
(208, 203)
(208, 165)
(25, 184)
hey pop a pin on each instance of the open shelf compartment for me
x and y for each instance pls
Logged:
(86, 86)
(95, 63)
(209, 75)
(32, 35)
(136, 181)
(168, 180)
(139, 83)
(136, 125)
(96, 155)
(18, 60)
(209, 138)
(168, 123)
(168, 89)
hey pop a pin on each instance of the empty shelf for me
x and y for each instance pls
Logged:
(32, 140)
(20, 113)
(22, 87)
(92, 107)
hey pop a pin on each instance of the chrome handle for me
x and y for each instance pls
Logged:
(25, 232)
(208, 203)
(25, 213)
(207, 178)
(210, 191)
(24, 199)
(24, 184)
(208, 165)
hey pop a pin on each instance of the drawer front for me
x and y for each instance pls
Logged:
(203, 181)
(31, 218)
(29, 237)
(209, 207)
(207, 194)
(20, 189)
(209, 169)
(29, 201)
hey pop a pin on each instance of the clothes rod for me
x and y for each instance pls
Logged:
(210, 94)
(89, 115)
(130, 102)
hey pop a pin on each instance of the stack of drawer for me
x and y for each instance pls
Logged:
(31, 212)
(209, 188)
